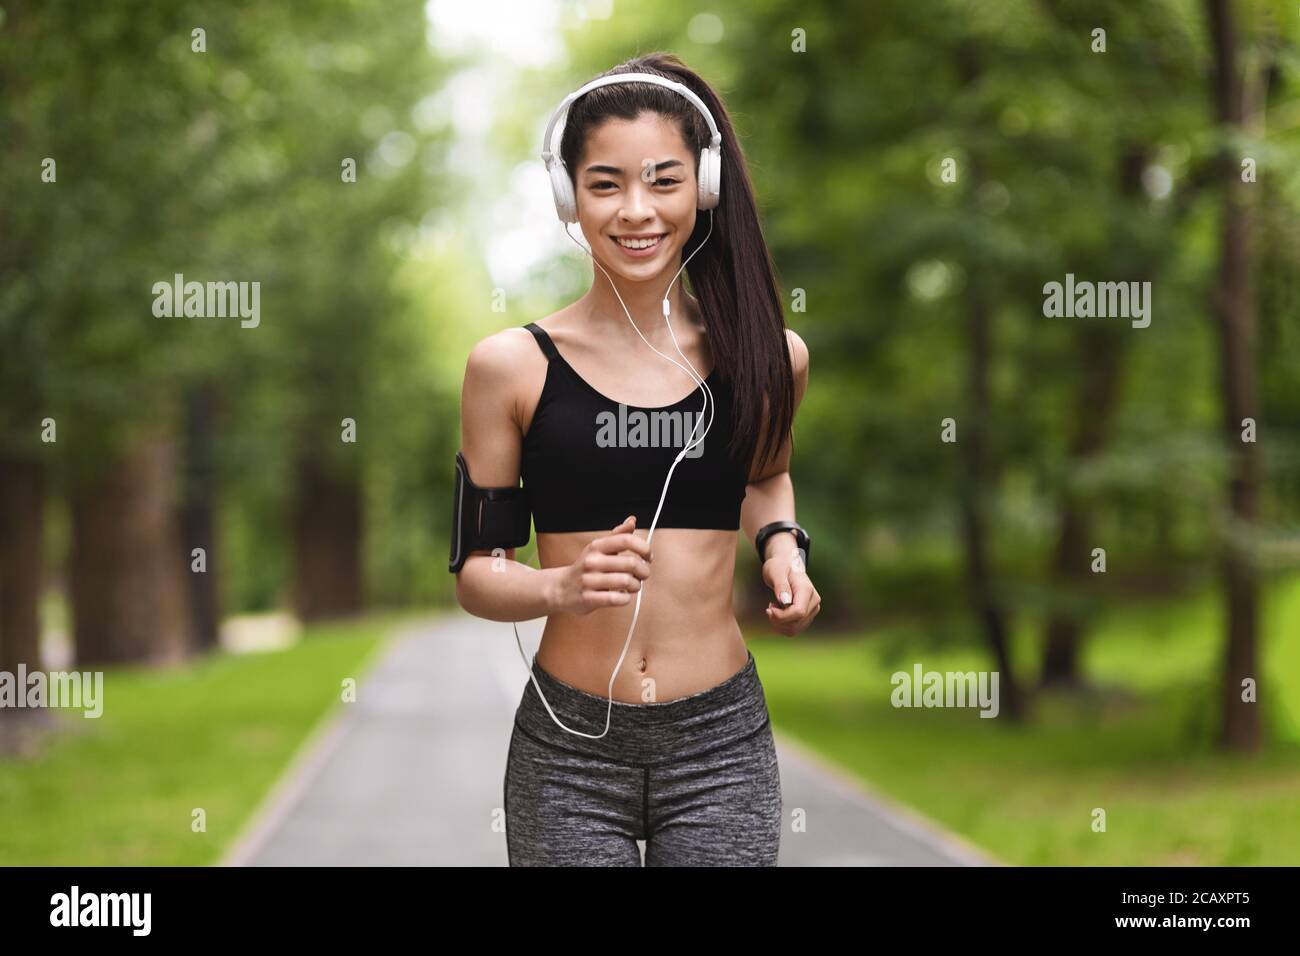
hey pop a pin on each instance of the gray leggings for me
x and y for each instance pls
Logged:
(695, 777)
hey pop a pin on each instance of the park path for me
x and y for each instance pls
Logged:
(411, 773)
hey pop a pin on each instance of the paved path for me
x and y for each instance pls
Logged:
(411, 773)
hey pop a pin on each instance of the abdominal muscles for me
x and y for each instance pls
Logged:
(686, 638)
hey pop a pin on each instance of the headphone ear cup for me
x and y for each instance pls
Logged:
(716, 181)
(705, 175)
(566, 206)
(710, 177)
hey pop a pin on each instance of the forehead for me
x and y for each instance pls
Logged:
(649, 135)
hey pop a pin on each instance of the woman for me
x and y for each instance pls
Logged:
(685, 759)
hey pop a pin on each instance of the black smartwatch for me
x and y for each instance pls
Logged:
(802, 540)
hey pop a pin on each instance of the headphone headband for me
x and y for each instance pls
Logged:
(548, 152)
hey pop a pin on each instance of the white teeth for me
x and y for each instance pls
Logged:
(637, 243)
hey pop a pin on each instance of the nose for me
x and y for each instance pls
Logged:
(636, 208)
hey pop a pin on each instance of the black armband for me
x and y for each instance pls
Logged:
(485, 518)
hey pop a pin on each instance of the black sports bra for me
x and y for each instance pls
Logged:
(589, 462)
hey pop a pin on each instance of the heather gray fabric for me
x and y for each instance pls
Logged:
(695, 777)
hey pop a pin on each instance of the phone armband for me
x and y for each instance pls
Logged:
(485, 518)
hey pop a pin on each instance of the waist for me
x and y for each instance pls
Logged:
(669, 656)
(645, 734)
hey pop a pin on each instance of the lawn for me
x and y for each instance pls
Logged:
(216, 734)
(212, 735)
(1140, 749)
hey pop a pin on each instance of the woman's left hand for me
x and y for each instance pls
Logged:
(790, 584)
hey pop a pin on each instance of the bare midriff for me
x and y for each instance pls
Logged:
(686, 640)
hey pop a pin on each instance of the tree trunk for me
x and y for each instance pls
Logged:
(327, 542)
(1234, 312)
(22, 505)
(1102, 359)
(197, 521)
(971, 443)
(1102, 355)
(128, 566)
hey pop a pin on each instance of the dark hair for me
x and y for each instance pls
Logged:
(732, 275)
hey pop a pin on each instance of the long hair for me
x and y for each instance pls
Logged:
(732, 276)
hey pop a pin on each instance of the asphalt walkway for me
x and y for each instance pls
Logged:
(411, 773)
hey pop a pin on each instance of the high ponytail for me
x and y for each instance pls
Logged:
(732, 275)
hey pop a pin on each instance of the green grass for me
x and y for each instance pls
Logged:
(214, 734)
(218, 733)
(1141, 749)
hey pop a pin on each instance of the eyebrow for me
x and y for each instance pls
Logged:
(618, 171)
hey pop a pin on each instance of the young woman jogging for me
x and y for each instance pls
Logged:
(643, 717)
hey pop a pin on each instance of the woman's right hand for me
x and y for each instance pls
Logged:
(603, 575)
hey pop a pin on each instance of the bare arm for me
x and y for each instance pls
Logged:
(496, 588)
(770, 494)
(770, 497)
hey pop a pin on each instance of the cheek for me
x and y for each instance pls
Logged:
(597, 209)
(686, 224)
(591, 217)
(683, 211)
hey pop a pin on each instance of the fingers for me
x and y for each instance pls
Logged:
(781, 588)
(597, 599)
(612, 567)
(623, 540)
(596, 581)
(799, 603)
(805, 606)
(627, 563)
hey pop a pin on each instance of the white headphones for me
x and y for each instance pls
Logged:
(710, 169)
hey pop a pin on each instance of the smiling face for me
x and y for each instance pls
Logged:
(636, 183)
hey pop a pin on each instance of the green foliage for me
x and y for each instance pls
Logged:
(224, 164)
(1067, 160)
(121, 789)
(1139, 744)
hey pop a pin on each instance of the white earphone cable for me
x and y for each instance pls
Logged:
(708, 404)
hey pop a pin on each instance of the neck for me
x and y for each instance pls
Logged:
(644, 300)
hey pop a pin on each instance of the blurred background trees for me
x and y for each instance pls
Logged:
(213, 144)
(924, 169)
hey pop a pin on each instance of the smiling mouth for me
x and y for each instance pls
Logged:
(639, 243)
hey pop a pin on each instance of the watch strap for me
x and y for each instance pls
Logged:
(802, 539)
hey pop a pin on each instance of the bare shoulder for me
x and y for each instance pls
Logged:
(497, 363)
(798, 351)
(798, 362)
(499, 370)
(496, 358)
